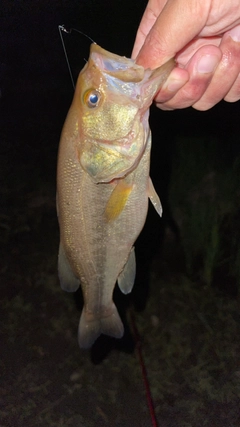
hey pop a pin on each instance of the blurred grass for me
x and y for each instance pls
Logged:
(204, 197)
(189, 333)
(192, 352)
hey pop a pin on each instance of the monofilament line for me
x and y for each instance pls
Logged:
(62, 28)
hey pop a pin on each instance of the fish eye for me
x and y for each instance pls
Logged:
(91, 98)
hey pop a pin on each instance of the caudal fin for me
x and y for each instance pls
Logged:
(91, 327)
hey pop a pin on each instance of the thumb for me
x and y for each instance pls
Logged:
(178, 23)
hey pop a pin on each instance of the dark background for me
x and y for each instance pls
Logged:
(36, 87)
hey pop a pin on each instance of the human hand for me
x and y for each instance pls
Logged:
(204, 38)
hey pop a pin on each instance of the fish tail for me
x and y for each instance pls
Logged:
(90, 328)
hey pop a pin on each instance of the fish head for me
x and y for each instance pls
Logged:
(112, 99)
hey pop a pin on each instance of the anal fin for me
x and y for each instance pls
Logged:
(68, 281)
(127, 277)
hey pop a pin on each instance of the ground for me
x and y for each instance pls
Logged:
(188, 334)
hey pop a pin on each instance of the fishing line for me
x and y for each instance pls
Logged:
(61, 28)
(144, 371)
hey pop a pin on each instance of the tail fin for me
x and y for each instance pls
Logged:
(90, 328)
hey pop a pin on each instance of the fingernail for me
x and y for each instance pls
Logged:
(234, 33)
(207, 64)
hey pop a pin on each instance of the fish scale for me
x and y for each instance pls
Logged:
(103, 184)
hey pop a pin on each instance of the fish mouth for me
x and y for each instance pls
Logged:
(122, 145)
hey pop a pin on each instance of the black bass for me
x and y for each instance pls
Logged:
(103, 184)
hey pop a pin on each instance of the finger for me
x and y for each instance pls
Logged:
(234, 94)
(184, 56)
(176, 80)
(201, 69)
(226, 73)
(152, 11)
(173, 29)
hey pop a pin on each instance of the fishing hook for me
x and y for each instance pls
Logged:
(62, 28)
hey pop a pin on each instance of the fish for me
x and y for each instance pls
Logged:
(103, 184)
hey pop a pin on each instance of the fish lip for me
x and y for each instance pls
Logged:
(131, 147)
(124, 142)
(122, 146)
(127, 140)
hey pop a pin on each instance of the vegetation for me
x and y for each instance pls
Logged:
(204, 197)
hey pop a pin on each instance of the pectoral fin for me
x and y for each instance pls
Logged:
(118, 200)
(127, 277)
(68, 281)
(154, 197)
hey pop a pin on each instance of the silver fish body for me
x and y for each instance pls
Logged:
(103, 185)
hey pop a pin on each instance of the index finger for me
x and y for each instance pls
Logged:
(151, 13)
(177, 24)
